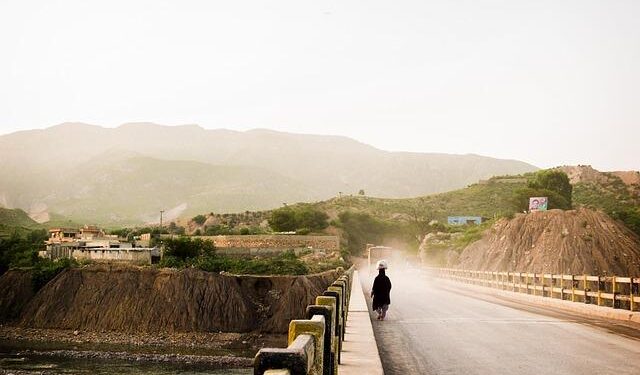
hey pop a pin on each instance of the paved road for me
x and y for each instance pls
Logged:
(434, 331)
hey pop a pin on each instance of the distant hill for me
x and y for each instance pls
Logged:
(128, 174)
(15, 221)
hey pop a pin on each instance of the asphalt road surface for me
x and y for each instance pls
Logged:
(431, 330)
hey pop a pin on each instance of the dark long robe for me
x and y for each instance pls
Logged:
(381, 290)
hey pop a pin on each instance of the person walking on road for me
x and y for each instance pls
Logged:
(381, 290)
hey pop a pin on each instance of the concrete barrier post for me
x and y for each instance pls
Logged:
(327, 313)
(573, 288)
(296, 359)
(342, 314)
(331, 303)
(314, 327)
(343, 286)
(336, 294)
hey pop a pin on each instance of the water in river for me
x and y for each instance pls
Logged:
(39, 364)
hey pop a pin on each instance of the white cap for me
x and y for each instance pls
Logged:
(382, 265)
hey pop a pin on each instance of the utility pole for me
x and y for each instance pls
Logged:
(161, 212)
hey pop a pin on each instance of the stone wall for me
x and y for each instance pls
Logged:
(139, 256)
(272, 243)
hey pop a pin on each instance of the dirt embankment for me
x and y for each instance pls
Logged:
(572, 242)
(132, 299)
(16, 289)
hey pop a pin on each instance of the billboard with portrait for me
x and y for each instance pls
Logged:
(538, 203)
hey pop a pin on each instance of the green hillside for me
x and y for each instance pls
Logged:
(15, 220)
(487, 199)
(614, 197)
(406, 221)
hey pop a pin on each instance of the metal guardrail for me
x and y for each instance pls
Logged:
(612, 291)
(314, 343)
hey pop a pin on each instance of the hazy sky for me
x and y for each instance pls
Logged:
(548, 82)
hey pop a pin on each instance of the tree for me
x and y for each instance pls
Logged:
(553, 180)
(283, 220)
(361, 192)
(199, 219)
(186, 248)
(550, 183)
(521, 199)
(307, 217)
(360, 229)
(420, 222)
(21, 250)
(288, 219)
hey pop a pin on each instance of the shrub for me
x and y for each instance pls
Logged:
(283, 220)
(171, 262)
(360, 229)
(287, 219)
(555, 181)
(45, 270)
(630, 216)
(21, 251)
(199, 219)
(283, 264)
(184, 248)
(521, 199)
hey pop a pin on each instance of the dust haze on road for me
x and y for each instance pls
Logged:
(433, 330)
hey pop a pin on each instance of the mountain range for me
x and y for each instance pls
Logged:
(126, 175)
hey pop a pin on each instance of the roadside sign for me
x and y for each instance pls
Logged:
(538, 204)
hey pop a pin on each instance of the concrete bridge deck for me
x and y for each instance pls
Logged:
(434, 330)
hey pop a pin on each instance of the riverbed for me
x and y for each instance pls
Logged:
(47, 351)
(32, 363)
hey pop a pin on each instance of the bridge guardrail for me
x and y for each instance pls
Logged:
(314, 343)
(612, 291)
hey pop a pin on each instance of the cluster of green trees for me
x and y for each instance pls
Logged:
(221, 230)
(21, 251)
(550, 183)
(361, 228)
(199, 219)
(183, 252)
(300, 218)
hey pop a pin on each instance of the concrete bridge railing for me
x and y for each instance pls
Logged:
(612, 291)
(315, 343)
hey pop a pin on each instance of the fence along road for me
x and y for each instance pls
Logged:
(434, 330)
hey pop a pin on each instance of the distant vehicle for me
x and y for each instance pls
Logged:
(376, 253)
